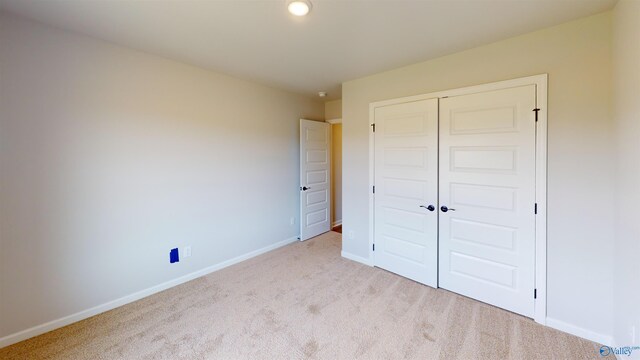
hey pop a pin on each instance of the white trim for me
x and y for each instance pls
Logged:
(334, 121)
(372, 174)
(64, 321)
(336, 223)
(540, 304)
(581, 332)
(356, 258)
(540, 310)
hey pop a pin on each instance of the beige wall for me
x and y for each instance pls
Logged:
(111, 157)
(626, 106)
(336, 166)
(333, 109)
(576, 56)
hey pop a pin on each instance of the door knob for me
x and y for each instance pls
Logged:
(445, 209)
(304, 188)
(430, 207)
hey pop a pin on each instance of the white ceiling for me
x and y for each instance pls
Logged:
(338, 41)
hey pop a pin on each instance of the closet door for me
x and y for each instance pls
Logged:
(406, 176)
(487, 197)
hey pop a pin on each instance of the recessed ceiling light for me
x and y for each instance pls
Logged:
(299, 7)
(322, 93)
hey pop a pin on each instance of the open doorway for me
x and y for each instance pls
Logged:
(333, 114)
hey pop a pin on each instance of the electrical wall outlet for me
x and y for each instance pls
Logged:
(187, 251)
(352, 234)
(292, 221)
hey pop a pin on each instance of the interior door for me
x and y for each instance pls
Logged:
(487, 197)
(406, 186)
(315, 175)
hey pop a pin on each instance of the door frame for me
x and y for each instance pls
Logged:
(541, 81)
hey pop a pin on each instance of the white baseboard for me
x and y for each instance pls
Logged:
(64, 321)
(336, 223)
(581, 332)
(357, 258)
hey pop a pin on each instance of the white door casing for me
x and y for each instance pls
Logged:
(315, 177)
(406, 175)
(487, 177)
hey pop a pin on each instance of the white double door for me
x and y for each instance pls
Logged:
(455, 194)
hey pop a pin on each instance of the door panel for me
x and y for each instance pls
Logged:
(487, 178)
(406, 156)
(315, 200)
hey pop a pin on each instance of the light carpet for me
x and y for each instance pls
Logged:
(304, 301)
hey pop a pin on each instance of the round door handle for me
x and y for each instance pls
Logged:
(445, 209)
(304, 188)
(430, 207)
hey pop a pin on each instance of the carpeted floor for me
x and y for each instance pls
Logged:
(304, 301)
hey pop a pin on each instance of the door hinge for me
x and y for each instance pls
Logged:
(535, 293)
(374, 189)
(373, 126)
(374, 247)
(536, 110)
(535, 208)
